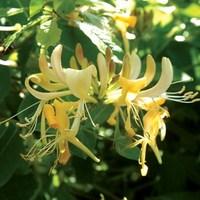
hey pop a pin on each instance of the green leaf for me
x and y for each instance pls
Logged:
(10, 149)
(122, 143)
(4, 82)
(48, 34)
(35, 7)
(100, 37)
(63, 7)
(100, 113)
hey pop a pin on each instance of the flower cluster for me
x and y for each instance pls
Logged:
(136, 102)
(56, 112)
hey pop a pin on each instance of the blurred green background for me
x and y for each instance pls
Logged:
(164, 28)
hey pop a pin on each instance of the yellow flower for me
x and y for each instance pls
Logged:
(123, 21)
(57, 116)
(129, 87)
(153, 125)
(59, 82)
(130, 93)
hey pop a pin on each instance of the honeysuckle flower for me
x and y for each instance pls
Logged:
(123, 21)
(131, 94)
(78, 81)
(153, 125)
(57, 116)
(131, 91)
(128, 91)
(59, 82)
(130, 87)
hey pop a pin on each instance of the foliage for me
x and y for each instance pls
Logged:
(168, 29)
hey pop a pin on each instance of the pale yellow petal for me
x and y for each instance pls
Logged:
(103, 73)
(163, 83)
(144, 170)
(79, 81)
(44, 95)
(162, 130)
(150, 69)
(133, 86)
(135, 65)
(46, 70)
(156, 151)
(56, 63)
(142, 160)
(41, 80)
(75, 141)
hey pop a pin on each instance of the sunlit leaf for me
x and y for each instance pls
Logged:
(100, 37)
(48, 34)
(35, 6)
(122, 143)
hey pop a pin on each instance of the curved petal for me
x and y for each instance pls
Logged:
(162, 130)
(135, 65)
(41, 80)
(150, 70)
(133, 86)
(44, 95)
(56, 63)
(163, 83)
(44, 68)
(75, 141)
(79, 81)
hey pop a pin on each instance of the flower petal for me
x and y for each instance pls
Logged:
(75, 141)
(56, 63)
(44, 95)
(41, 80)
(163, 83)
(135, 65)
(79, 81)
(150, 70)
(44, 68)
